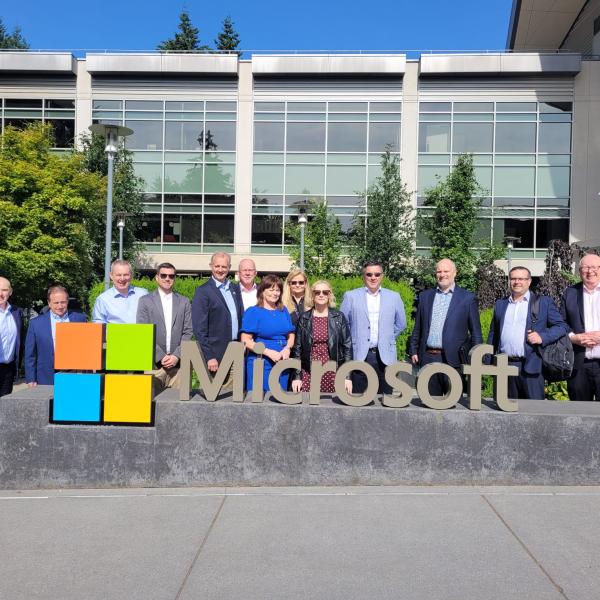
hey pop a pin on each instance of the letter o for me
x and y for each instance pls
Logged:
(372, 383)
(454, 393)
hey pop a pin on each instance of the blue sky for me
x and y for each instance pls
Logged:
(265, 25)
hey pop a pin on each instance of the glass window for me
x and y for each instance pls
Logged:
(107, 104)
(306, 137)
(269, 106)
(151, 174)
(435, 107)
(183, 178)
(434, 137)
(194, 106)
(556, 118)
(382, 134)
(553, 181)
(555, 138)
(147, 135)
(269, 136)
(219, 135)
(267, 179)
(265, 200)
(429, 177)
(472, 137)
(514, 181)
(343, 180)
(267, 229)
(183, 199)
(218, 229)
(305, 179)
(60, 104)
(347, 137)
(515, 137)
(64, 132)
(516, 107)
(484, 178)
(551, 229)
(182, 135)
(520, 228)
(143, 105)
(220, 105)
(555, 107)
(467, 107)
(218, 199)
(22, 103)
(306, 107)
(349, 107)
(150, 230)
(219, 179)
(378, 107)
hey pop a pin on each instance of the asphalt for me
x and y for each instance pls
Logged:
(285, 543)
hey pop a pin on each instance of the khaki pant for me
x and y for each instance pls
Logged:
(164, 378)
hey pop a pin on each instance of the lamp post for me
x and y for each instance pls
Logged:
(111, 134)
(302, 220)
(121, 226)
(510, 241)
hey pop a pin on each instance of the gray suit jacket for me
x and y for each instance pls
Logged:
(150, 310)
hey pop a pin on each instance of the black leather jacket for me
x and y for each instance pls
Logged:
(339, 342)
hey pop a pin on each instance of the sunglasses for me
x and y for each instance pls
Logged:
(298, 282)
(321, 292)
(373, 274)
(167, 275)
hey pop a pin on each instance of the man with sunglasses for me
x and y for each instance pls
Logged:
(581, 311)
(376, 317)
(172, 314)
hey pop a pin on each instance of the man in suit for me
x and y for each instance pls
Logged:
(41, 337)
(248, 287)
(11, 325)
(446, 326)
(376, 317)
(581, 311)
(217, 312)
(171, 313)
(513, 332)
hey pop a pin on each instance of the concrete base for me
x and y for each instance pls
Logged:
(198, 443)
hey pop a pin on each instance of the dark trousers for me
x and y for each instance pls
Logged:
(7, 377)
(525, 386)
(585, 383)
(359, 380)
(439, 383)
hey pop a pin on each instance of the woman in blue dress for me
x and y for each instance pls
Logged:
(268, 322)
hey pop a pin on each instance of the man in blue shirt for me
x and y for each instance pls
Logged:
(41, 337)
(119, 303)
(513, 332)
(10, 338)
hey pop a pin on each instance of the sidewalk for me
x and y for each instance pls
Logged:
(301, 543)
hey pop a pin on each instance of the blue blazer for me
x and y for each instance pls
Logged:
(211, 319)
(392, 322)
(550, 326)
(461, 327)
(572, 313)
(17, 314)
(39, 349)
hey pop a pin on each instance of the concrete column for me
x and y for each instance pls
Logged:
(410, 128)
(83, 100)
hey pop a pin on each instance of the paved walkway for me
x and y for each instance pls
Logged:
(287, 543)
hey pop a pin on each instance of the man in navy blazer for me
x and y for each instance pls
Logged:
(217, 311)
(376, 317)
(11, 325)
(513, 332)
(581, 311)
(41, 336)
(447, 325)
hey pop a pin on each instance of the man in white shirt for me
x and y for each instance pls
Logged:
(171, 313)
(248, 287)
(11, 325)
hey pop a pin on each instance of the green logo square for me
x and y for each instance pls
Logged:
(129, 347)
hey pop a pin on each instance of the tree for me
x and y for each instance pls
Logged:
(450, 224)
(185, 40)
(491, 281)
(322, 242)
(229, 39)
(46, 203)
(12, 41)
(558, 275)
(384, 226)
(127, 199)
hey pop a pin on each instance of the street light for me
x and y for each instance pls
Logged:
(302, 220)
(510, 241)
(111, 133)
(121, 226)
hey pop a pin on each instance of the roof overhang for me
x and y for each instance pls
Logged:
(38, 62)
(329, 64)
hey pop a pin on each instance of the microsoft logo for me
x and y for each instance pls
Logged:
(108, 391)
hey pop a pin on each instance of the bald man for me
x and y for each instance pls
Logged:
(11, 325)
(248, 287)
(446, 326)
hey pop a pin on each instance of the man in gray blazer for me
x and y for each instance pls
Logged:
(172, 315)
(376, 317)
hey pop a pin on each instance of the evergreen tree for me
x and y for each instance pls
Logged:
(450, 224)
(384, 227)
(322, 242)
(12, 41)
(185, 40)
(229, 39)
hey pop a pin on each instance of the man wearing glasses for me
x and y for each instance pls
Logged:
(581, 310)
(171, 313)
(513, 332)
(376, 317)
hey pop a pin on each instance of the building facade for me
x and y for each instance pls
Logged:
(230, 149)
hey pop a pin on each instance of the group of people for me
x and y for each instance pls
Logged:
(294, 319)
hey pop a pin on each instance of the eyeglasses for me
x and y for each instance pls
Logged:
(519, 278)
(589, 269)
(374, 274)
(322, 292)
(298, 282)
(167, 275)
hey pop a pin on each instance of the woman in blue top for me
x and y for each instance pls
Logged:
(268, 322)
